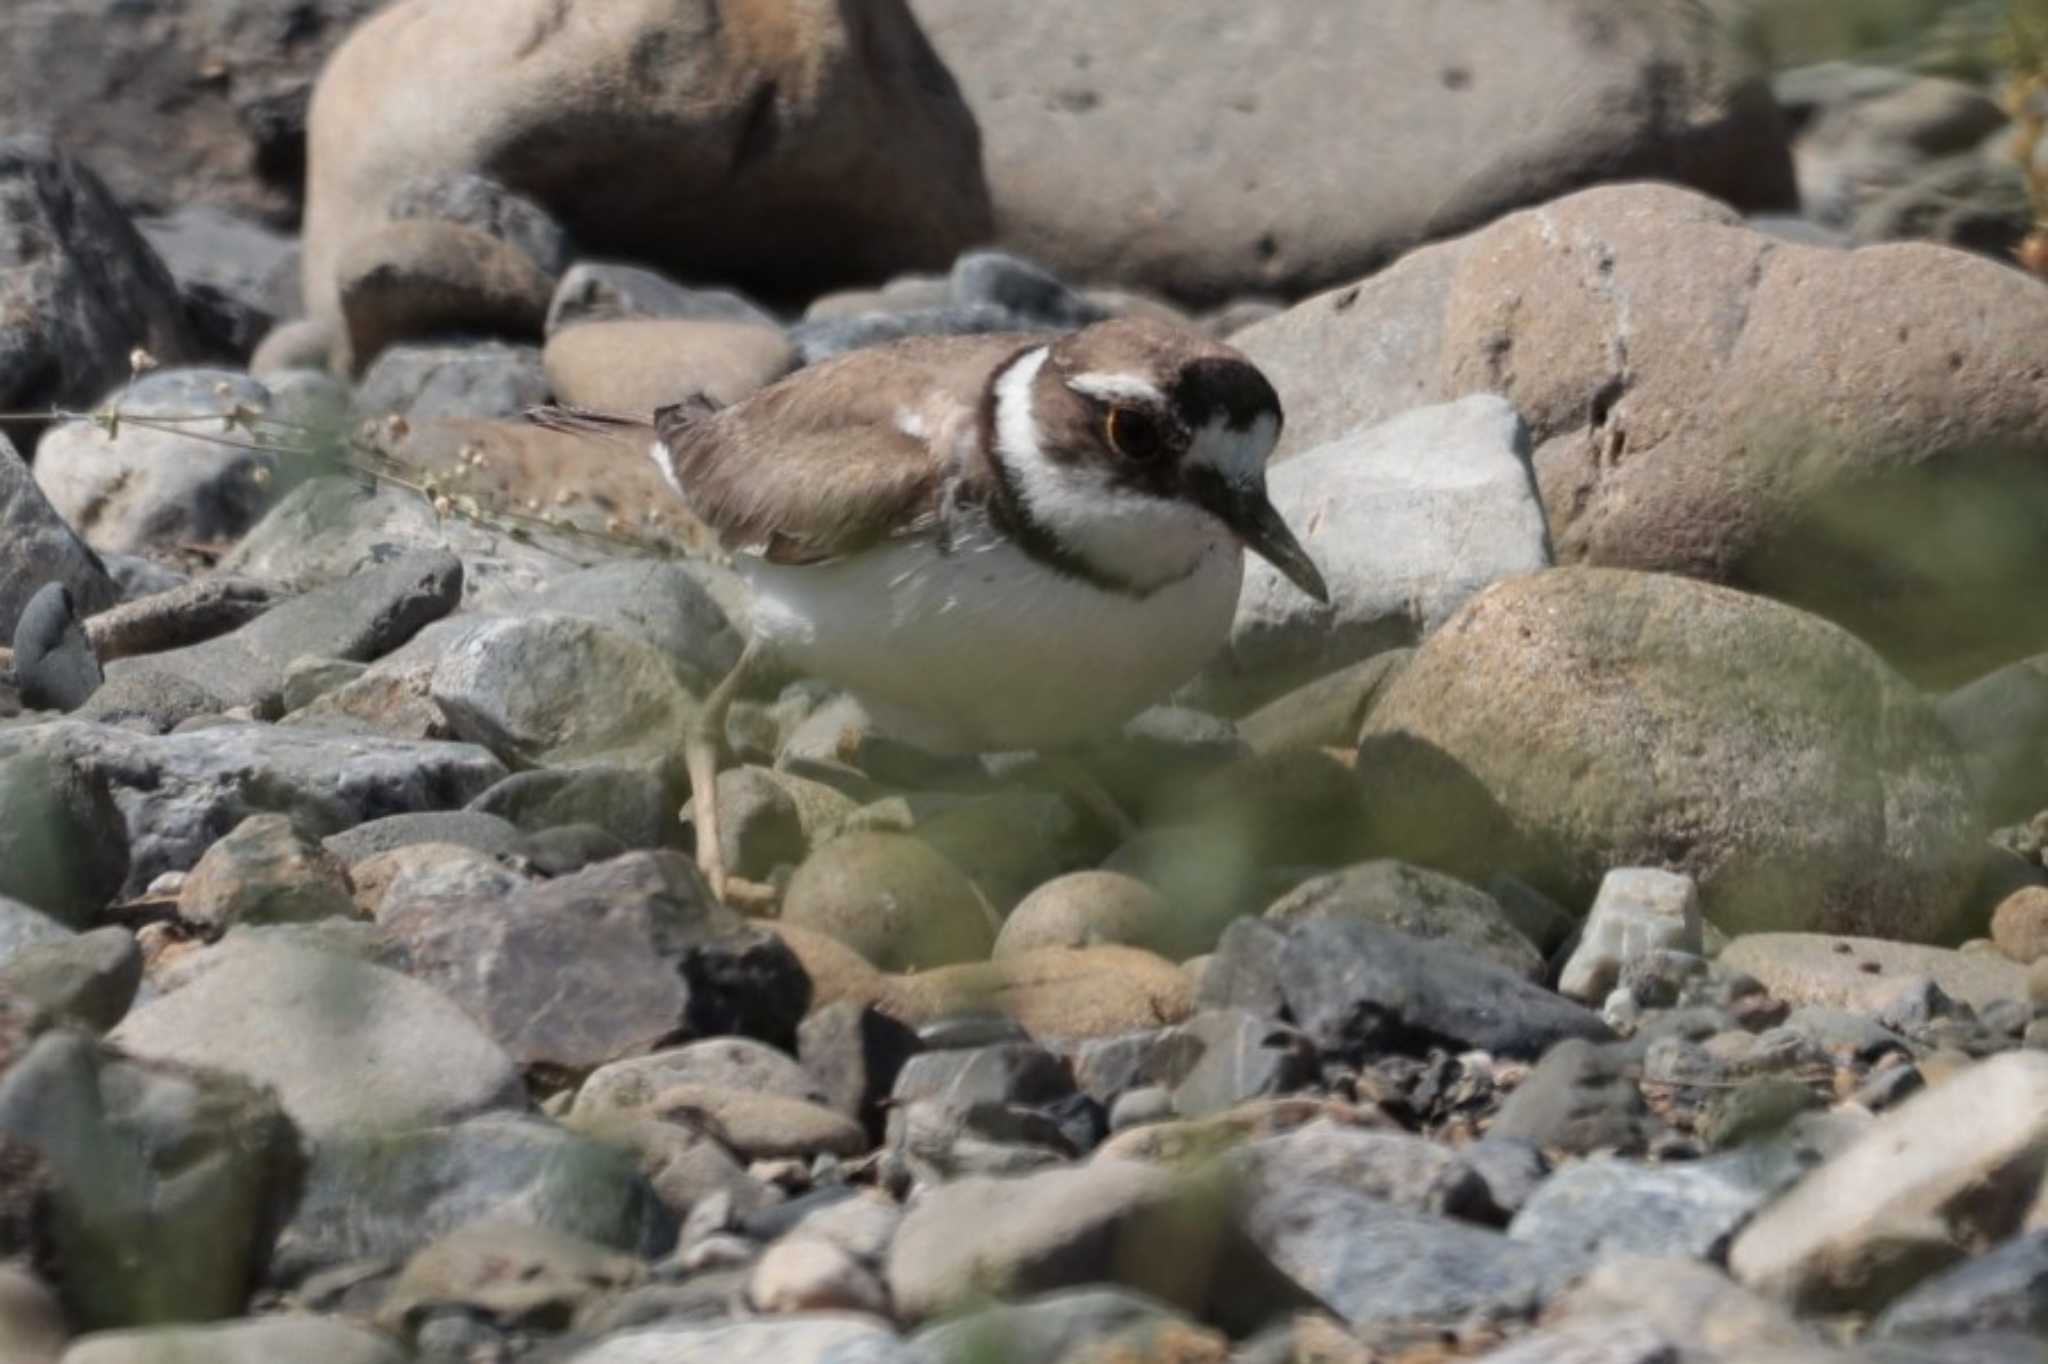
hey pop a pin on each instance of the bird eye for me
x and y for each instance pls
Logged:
(1135, 434)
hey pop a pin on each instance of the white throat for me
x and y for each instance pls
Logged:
(1127, 535)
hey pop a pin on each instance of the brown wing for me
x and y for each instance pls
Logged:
(839, 455)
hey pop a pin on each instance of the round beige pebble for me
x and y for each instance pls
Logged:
(2020, 924)
(892, 898)
(810, 1274)
(1084, 908)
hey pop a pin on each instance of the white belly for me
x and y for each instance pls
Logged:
(986, 650)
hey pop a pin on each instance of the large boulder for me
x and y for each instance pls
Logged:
(175, 103)
(797, 146)
(1595, 718)
(1212, 147)
(79, 287)
(1859, 432)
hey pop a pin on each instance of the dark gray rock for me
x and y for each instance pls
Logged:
(216, 255)
(1108, 1223)
(386, 1196)
(1580, 1097)
(54, 663)
(23, 926)
(2000, 723)
(855, 1052)
(2004, 1289)
(1597, 1210)
(1418, 902)
(63, 840)
(1028, 291)
(1392, 1167)
(1006, 1073)
(483, 203)
(1054, 1328)
(635, 806)
(327, 529)
(149, 700)
(362, 618)
(87, 981)
(138, 577)
(164, 1178)
(466, 828)
(79, 287)
(599, 291)
(426, 382)
(611, 962)
(1511, 1168)
(38, 547)
(1381, 1267)
(350, 1048)
(662, 603)
(568, 848)
(1234, 1057)
(175, 794)
(1359, 990)
(819, 339)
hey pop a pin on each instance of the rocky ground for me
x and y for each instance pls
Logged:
(1611, 932)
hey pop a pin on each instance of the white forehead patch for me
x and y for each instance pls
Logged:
(1108, 387)
(1238, 455)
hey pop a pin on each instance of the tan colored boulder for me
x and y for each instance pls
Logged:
(1590, 718)
(1858, 432)
(1239, 148)
(426, 277)
(1055, 993)
(790, 146)
(634, 366)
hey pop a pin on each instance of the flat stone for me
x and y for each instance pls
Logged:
(1108, 1222)
(637, 365)
(426, 382)
(350, 1048)
(1599, 1209)
(733, 1063)
(157, 478)
(1357, 989)
(811, 1339)
(1998, 1290)
(87, 980)
(1325, 713)
(607, 291)
(362, 618)
(264, 872)
(654, 959)
(1580, 1097)
(162, 1178)
(389, 1195)
(484, 833)
(1867, 974)
(1075, 1323)
(1893, 1207)
(281, 1340)
(757, 1126)
(519, 687)
(175, 793)
(1418, 902)
(1055, 994)
(1391, 1167)
(1380, 1266)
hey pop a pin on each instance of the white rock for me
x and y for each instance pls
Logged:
(1638, 909)
(1406, 520)
(810, 1274)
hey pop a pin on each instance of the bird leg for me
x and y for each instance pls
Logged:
(702, 743)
